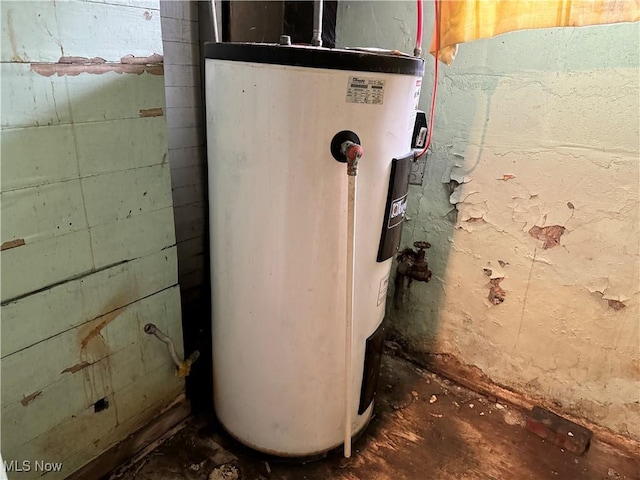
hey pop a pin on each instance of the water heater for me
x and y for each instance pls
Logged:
(278, 230)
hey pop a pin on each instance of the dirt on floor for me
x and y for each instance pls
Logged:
(424, 427)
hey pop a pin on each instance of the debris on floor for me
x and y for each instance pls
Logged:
(611, 473)
(225, 472)
(409, 435)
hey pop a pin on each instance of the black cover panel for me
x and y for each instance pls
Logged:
(396, 207)
(372, 359)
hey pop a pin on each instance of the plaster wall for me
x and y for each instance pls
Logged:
(530, 202)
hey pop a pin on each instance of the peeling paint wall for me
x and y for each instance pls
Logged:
(87, 232)
(530, 203)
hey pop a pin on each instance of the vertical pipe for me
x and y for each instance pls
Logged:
(417, 51)
(316, 40)
(214, 21)
(351, 246)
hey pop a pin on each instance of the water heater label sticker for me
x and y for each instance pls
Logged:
(422, 136)
(365, 90)
(416, 105)
(416, 94)
(384, 286)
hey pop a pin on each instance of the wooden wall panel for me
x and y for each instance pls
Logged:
(88, 253)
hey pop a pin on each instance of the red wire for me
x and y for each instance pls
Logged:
(435, 72)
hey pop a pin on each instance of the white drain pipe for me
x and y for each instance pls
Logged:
(353, 152)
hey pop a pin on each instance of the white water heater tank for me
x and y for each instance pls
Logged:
(278, 230)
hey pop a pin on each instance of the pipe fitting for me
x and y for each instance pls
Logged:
(183, 368)
(412, 265)
(352, 152)
(285, 40)
(316, 39)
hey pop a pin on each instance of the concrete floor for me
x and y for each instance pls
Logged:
(425, 427)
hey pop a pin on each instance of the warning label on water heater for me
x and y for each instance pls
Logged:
(365, 90)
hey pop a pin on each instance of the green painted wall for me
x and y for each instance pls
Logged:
(87, 230)
(556, 111)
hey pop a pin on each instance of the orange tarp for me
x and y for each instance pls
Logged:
(465, 20)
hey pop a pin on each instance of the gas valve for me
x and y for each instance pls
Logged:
(412, 265)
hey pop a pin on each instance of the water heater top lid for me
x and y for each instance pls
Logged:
(360, 60)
